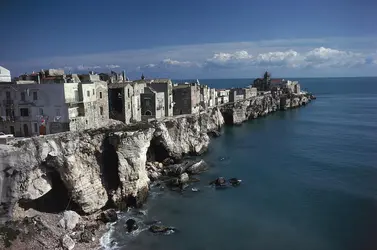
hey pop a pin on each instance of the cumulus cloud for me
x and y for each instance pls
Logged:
(167, 63)
(84, 67)
(112, 66)
(291, 57)
(317, 58)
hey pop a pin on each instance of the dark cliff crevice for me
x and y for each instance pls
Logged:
(109, 163)
(57, 200)
(228, 117)
(157, 151)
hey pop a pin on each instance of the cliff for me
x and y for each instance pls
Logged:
(237, 113)
(85, 171)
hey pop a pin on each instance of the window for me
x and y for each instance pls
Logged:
(8, 95)
(147, 102)
(57, 112)
(101, 110)
(22, 96)
(35, 127)
(35, 96)
(40, 111)
(24, 112)
(93, 91)
(100, 95)
(129, 106)
(128, 91)
(88, 93)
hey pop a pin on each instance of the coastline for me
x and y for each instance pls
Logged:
(172, 138)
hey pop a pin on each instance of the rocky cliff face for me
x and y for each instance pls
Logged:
(237, 113)
(85, 171)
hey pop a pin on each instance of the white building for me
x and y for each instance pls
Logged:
(5, 75)
(39, 109)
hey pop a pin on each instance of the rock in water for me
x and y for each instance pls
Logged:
(218, 182)
(184, 178)
(69, 220)
(67, 242)
(86, 236)
(234, 181)
(197, 167)
(160, 229)
(109, 216)
(131, 225)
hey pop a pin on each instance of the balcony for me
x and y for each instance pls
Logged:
(8, 102)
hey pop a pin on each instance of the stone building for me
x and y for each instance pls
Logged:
(165, 86)
(187, 98)
(5, 75)
(212, 97)
(263, 84)
(152, 104)
(204, 96)
(236, 94)
(124, 101)
(222, 96)
(37, 109)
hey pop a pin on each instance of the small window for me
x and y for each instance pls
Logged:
(7, 95)
(22, 96)
(88, 93)
(41, 111)
(100, 95)
(35, 96)
(86, 121)
(24, 112)
(35, 127)
(101, 110)
(93, 91)
(128, 91)
(129, 106)
(57, 112)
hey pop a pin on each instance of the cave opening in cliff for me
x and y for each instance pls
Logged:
(109, 169)
(57, 200)
(156, 151)
(228, 118)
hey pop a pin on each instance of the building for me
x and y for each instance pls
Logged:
(236, 94)
(152, 104)
(38, 109)
(166, 86)
(263, 84)
(125, 102)
(5, 75)
(212, 97)
(222, 96)
(204, 96)
(187, 98)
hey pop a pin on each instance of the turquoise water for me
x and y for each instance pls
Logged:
(309, 180)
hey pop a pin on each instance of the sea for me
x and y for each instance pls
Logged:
(309, 181)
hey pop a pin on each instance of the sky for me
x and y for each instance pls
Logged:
(183, 39)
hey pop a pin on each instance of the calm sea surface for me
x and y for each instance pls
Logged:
(309, 180)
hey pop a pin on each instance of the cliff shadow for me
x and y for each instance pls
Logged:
(157, 151)
(109, 163)
(57, 200)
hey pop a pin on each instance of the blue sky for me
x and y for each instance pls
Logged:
(192, 39)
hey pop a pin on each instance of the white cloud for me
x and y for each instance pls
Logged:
(83, 67)
(317, 58)
(290, 56)
(327, 57)
(112, 66)
(167, 63)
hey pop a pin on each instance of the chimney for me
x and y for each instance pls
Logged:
(124, 75)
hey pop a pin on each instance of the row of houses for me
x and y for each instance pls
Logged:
(50, 101)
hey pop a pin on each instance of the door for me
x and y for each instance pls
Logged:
(12, 130)
(26, 130)
(42, 130)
